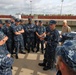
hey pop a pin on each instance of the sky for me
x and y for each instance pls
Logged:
(37, 7)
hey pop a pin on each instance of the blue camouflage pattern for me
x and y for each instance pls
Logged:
(2, 35)
(30, 33)
(53, 38)
(68, 53)
(5, 65)
(40, 29)
(68, 36)
(1, 28)
(52, 41)
(18, 39)
(3, 50)
(30, 29)
(9, 32)
(16, 29)
(5, 62)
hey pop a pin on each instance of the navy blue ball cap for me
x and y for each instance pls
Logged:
(7, 21)
(52, 22)
(40, 21)
(35, 21)
(30, 19)
(17, 20)
(13, 17)
(21, 20)
(1, 22)
(68, 53)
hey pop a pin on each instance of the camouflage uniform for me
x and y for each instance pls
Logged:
(18, 39)
(30, 30)
(52, 41)
(25, 36)
(9, 33)
(40, 30)
(5, 62)
(1, 26)
(35, 41)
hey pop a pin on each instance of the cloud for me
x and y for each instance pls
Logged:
(37, 6)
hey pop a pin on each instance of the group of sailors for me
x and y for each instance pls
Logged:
(16, 36)
(23, 36)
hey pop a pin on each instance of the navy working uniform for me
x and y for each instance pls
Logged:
(47, 29)
(30, 30)
(18, 39)
(1, 26)
(2, 29)
(5, 61)
(52, 42)
(47, 32)
(35, 42)
(12, 25)
(9, 32)
(40, 30)
(24, 34)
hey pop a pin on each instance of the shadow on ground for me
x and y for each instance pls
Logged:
(27, 64)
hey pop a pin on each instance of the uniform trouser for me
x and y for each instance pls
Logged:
(25, 40)
(13, 45)
(49, 56)
(25, 43)
(35, 41)
(30, 43)
(10, 46)
(19, 45)
(42, 44)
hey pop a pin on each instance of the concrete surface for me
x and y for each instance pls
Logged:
(27, 64)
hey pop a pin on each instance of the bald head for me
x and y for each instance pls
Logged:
(65, 23)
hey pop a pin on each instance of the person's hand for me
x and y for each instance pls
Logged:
(45, 42)
(41, 39)
(2, 42)
(8, 55)
(60, 36)
(48, 33)
(19, 31)
(40, 36)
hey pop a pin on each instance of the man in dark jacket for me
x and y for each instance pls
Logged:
(51, 44)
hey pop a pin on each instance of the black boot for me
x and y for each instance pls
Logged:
(23, 52)
(46, 68)
(11, 67)
(37, 51)
(28, 50)
(32, 50)
(42, 64)
(42, 52)
(16, 56)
